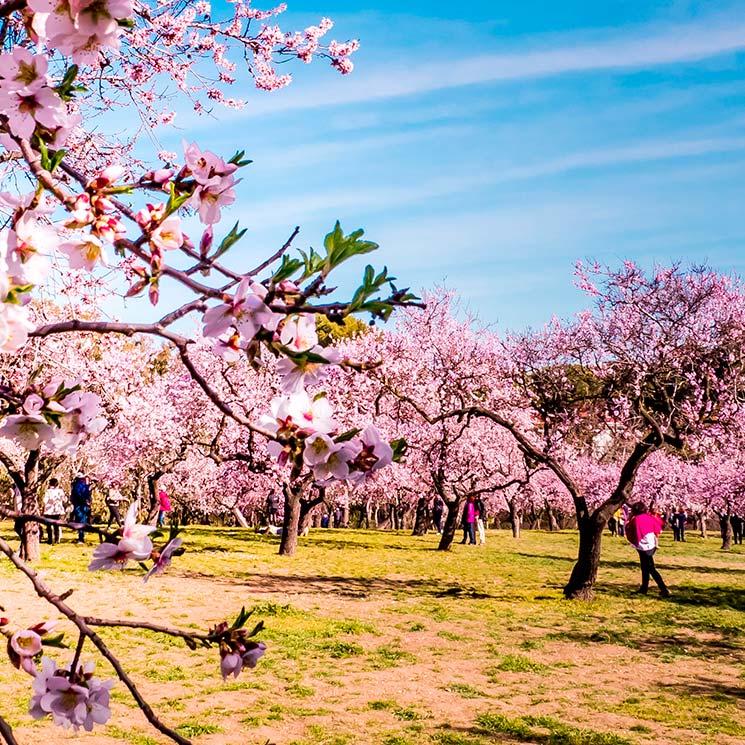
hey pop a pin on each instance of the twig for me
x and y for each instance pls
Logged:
(7, 733)
(45, 592)
(149, 627)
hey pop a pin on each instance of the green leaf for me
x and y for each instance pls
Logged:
(348, 435)
(399, 446)
(175, 200)
(339, 247)
(230, 239)
(256, 629)
(56, 159)
(302, 358)
(54, 641)
(240, 621)
(238, 159)
(287, 268)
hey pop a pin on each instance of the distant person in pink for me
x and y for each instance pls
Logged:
(642, 530)
(164, 506)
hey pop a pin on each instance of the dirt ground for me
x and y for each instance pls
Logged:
(377, 654)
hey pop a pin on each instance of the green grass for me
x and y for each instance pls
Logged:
(458, 648)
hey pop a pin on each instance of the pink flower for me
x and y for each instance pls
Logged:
(15, 325)
(30, 432)
(133, 545)
(296, 375)
(164, 560)
(22, 71)
(167, 236)
(246, 311)
(318, 448)
(25, 109)
(73, 700)
(206, 166)
(84, 253)
(299, 332)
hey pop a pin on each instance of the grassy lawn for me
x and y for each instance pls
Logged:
(375, 637)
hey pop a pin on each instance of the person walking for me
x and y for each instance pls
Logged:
(678, 522)
(468, 521)
(438, 507)
(113, 499)
(80, 496)
(54, 509)
(164, 507)
(272, 508)
(481, 520)
(642, 530)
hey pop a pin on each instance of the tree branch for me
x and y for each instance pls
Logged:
(45, 592)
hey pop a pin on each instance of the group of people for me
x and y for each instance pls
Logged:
(55, 507)
(473, 519)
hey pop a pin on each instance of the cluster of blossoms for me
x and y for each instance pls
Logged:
(58, 415)
(29, 101)
(73, 699)
(236, 651)
(81, 29)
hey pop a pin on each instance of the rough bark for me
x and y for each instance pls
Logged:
(240, 518)
(553, 524)
(516, 519)
(581, 585)
(421, 522)
(451, 523)
(725, 528)
(291, 522)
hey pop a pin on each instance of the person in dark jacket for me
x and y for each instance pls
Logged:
(80, 496)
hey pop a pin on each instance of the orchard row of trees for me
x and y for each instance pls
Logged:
(636, 398)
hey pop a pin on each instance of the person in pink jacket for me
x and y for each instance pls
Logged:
(642, 530)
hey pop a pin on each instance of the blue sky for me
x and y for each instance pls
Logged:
(488, 145)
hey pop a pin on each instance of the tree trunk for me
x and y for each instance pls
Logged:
(725, 527)
(585, 573)
(288, 543)
(449, 528)
(240, 518)
(516, 519)
(421, 522)
(393, 514)
(552, 522)
(702, 519)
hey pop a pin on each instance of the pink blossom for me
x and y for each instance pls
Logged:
(84, 253)
(164, 560)
(73, 700)
(133, 545)
(25, 109)
(15, 325)
(30, 432)
(167, 236)
(299, 332)
(23, 71)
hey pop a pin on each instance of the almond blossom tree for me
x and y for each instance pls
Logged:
(76, 202)
(656, 363)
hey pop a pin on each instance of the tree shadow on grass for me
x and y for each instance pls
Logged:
(701, 686)
(355, 587)
(711, 596)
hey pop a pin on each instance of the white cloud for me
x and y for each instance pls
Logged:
(649, 48)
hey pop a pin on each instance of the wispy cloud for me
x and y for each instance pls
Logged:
(633, 49)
